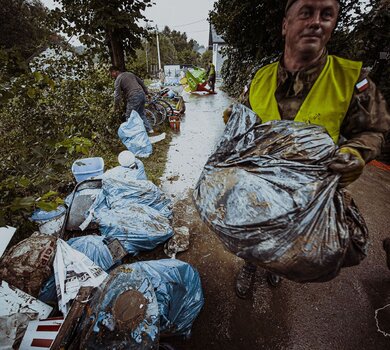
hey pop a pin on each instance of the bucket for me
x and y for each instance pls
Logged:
(50, 222)
(86, 168)
(174, 122)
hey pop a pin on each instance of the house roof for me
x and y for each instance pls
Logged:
(214, 38)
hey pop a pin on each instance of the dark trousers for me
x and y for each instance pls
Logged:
(136, 102)
(211, 82)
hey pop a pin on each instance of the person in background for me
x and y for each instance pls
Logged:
(211, 76)
(133, 90)
(308, 85)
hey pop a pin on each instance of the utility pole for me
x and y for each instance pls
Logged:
(158, 50)
(146, 54)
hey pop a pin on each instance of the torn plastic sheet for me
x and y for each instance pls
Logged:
(268, 194)
(91, 246)
(133, 135)
(73, 270)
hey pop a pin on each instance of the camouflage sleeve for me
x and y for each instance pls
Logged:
(367, 121)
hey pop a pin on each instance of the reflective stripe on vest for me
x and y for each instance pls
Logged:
(326, 103)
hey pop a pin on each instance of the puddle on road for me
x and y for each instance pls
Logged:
(200, 130)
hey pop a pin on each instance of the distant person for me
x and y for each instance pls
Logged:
(133, 90)
(211, 76)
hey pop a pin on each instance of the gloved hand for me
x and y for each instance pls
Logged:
(349, 164)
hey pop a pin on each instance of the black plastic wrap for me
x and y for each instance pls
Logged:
(268, 194)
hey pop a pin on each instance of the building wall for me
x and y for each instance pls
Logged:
(218, 58)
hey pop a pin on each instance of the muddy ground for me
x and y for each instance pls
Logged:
(335, 315)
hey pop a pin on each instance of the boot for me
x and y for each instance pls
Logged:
(386, 247)
(273, 279)
(244, 281)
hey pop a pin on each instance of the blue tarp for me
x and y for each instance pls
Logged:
(134, 136)
(175, 298)
(179, 293)
(135, 212)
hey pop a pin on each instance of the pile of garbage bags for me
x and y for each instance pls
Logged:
(268, 194)
(114, 215)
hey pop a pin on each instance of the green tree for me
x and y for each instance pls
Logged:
(23, 34)
(104, 27)
(206, 58)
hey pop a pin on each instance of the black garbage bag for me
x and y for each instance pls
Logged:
(268, 194)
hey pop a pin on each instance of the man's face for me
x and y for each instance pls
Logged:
(114, 74)
(308, 25)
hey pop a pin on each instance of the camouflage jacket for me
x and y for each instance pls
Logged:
(366, 122)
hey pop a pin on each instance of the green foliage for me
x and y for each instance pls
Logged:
(23, 32)
(252, 29)
(47, 122)
(106, 28)
(206, 58)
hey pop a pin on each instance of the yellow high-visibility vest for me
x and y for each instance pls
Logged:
(326, 103)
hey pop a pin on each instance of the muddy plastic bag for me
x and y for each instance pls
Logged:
(73, 270)
(123, 313)
(139, 301)
(179, 293)
(135, 212)
(28, 263)
(267, 192)
(117, 193)
(95, 249)
(134, 136)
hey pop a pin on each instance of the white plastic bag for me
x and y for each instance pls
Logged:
(73, 270)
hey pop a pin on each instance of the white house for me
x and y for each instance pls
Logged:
(215, 44)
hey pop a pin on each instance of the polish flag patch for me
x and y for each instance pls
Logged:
(363, 85)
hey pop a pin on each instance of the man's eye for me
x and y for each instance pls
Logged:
(304, 13)
(327, 14)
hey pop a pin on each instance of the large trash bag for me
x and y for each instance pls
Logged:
(179, 293)
(119, 192)
(172, 298)
(124, 173)
(122, 313)
(135, 212)
(268, 194)
(134, 136)
(28, 264)
(95, 249)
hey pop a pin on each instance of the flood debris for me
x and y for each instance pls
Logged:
(268, 194)
(139, 302)
(73, 270)
(6, 234)
(28, 263)
(179, 242)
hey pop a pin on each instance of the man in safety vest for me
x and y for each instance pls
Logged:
(308, 85)
(211, 76)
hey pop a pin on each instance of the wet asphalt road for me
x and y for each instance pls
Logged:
(339, 314)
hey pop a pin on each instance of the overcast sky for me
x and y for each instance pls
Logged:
(188, 16)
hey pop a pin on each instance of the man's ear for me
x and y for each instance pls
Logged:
(284, 26)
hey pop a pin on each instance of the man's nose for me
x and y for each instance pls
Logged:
(315, 20)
